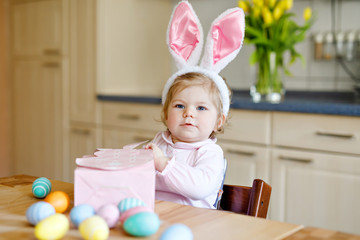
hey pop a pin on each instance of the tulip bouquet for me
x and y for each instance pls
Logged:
(272, 30)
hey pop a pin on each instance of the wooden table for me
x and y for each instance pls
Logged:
(16, 197)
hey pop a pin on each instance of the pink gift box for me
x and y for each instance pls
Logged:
(114, 174)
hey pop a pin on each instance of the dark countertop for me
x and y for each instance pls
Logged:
(334, 103)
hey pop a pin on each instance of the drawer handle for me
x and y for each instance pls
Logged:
(305, 160)
(81, 131)
(51, 51)
(141, 139)
(133, 117)
(336, 135)
(239, 152)
(51, 64)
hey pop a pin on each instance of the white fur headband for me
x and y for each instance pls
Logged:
(185, 42)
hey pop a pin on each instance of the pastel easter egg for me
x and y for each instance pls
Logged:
(142, 224)
(59, 199)
(53, 227)
(80, 213)
(39, 211)
(110, 213)
(177, 232)
(94, 228)
(133, 211)
(41, 187)
(128, 203)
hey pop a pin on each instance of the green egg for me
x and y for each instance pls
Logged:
(41, 187)
(142, 224)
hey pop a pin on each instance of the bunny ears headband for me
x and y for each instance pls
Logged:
(185, 42)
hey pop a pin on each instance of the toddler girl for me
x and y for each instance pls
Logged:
(190, 165)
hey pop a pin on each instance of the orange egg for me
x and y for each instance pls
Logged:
(59, 200)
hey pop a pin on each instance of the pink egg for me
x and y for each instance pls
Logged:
(110, 213)
(133, 211)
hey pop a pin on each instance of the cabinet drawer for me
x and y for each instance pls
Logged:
(248, 126)
(245, 163)
(319, 132)
(132, 115)
(118, 138)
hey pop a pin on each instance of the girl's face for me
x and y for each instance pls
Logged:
(192, 115)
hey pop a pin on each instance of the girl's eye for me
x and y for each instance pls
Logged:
(201, 108)
(179, 106)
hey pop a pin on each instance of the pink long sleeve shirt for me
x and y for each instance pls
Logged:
(194, 174)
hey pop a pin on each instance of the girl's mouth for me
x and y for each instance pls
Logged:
(188, 125)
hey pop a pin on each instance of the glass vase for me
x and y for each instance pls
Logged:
(268, 86)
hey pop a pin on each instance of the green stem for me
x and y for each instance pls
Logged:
(269, 76)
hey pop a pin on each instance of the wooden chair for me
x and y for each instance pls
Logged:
(252, 201)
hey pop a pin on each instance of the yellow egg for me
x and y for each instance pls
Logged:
(94, 228)
(53, 227)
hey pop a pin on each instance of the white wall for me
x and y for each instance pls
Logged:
(316, 75)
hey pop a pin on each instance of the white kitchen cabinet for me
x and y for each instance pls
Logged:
(245, 144)
(318, 132)
(316, 170)
(316, 189)
(37, 27)
(38, 117)
(84, 140)
(40, 68)
(84, 133)
(127, 123)
(82, 85)
(119, 137)
(54, 75)
(245, 163)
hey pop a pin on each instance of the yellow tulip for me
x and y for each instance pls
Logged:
(266, 14)
(278, 12)
(270, 3)
(307, 13)
(258, 3)
(256, 11)
(287, 4)
(244, 6)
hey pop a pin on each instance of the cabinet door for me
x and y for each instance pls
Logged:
(132, 115)
(83, 141)
(316, 189)
(37, 114)
(82, 55)
(245, 163)
(117, 138)
(36, 27)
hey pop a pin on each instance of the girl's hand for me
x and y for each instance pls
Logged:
(159, 158)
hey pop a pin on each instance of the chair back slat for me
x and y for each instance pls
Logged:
(252, 201)
(259, 199)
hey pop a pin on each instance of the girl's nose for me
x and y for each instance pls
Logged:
(188, 113)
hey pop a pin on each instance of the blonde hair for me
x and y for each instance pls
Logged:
(195, 79)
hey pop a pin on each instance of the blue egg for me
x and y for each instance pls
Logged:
(142, 224)
(177, 232)
(128, 203)
(80, 213)
(41, 187)
(39, 211)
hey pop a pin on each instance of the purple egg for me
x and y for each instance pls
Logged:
(110, 213)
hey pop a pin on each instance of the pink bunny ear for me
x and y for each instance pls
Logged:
(224, 40)
(185, 36)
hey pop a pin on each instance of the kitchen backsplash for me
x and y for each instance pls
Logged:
(315, 75)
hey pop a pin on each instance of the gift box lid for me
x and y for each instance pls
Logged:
(116, 159)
